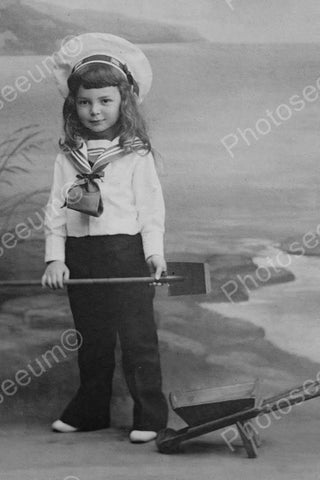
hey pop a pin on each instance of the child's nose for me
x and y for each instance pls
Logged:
(95, 108)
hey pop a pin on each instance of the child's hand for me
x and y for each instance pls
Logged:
(157, 265)
(54, 275)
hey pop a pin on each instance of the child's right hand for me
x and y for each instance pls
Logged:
(54, 275)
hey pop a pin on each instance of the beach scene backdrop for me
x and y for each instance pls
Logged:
(238, 159)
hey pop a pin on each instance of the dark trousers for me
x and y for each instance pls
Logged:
(102, 312)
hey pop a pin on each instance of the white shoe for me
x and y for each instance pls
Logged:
(61, 427)
(142, 436)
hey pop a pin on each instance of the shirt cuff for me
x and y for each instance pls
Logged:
(152, 243)
(55, 248)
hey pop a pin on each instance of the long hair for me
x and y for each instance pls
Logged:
(130, 124)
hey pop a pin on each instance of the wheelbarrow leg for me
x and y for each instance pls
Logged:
(250, 438)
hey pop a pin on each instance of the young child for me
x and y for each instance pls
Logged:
(113, 230)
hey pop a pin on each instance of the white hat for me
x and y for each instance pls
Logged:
(102, 48)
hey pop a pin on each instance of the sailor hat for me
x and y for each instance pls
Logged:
(104, 48)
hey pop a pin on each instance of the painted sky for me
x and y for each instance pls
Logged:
(225, 20)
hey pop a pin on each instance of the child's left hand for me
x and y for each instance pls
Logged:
(157, 265)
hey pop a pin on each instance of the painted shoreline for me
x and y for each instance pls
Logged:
(199, 348)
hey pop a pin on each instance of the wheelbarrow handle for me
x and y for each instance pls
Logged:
(94, 281)
(299, 389)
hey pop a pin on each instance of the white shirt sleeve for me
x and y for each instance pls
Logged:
(150, 205)
(55, 217)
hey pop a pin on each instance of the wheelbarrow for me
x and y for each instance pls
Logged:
(212, 409)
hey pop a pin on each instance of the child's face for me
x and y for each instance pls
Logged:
(98, 109)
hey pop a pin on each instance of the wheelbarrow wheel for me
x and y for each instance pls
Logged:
(165, 441)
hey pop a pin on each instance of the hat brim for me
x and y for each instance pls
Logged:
(88, 44)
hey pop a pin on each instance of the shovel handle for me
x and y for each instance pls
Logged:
(94, 281)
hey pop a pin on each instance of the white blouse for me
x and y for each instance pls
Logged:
(132, 199)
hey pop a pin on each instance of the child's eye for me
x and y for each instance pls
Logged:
(82, 102)
(106, 100)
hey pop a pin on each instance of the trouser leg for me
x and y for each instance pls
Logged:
(139, 342)
(93, 310)
(90, 407)
(140, 358)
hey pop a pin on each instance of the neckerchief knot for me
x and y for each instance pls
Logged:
(88, 177)
(84, 195)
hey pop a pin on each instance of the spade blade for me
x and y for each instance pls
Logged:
(196, 278)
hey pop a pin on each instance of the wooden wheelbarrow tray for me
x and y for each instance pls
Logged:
(212, 409)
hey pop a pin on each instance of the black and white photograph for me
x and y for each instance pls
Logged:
(159, 239)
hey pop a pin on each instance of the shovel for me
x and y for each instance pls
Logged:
(183, 278)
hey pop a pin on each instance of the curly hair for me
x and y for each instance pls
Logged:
(130, 124)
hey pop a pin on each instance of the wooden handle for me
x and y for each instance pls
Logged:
(94, 281)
